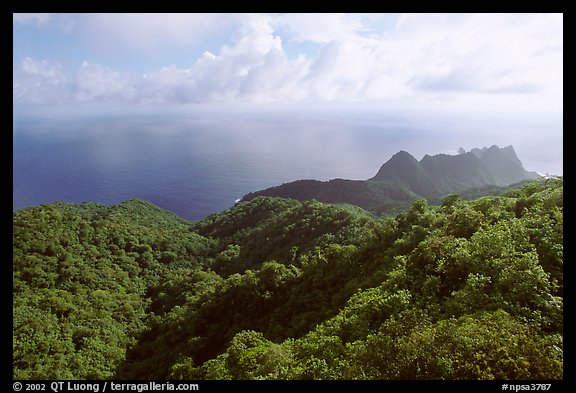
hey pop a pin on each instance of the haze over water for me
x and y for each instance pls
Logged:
(195, 163)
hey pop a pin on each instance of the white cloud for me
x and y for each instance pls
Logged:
(480, 53)
(321, 28)
(152, 33)
(39, 82)
(254, 68)
(39, 19)
(96, 83)
(470, 59)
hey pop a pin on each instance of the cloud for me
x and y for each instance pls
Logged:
(39, 82)
(321, 28)
(413, 57)
(38, 19)
(470, 80)
(94, 83)
(45, 82)
(480, 53)
(152, 33)
(253, 68)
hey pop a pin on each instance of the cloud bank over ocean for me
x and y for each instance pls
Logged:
(463, 59)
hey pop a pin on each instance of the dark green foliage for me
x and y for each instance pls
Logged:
(278, 289)
(278, 229)
(378, 197)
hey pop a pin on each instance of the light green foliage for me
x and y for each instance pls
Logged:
(478, 346)
(82, 279)
(277, 289)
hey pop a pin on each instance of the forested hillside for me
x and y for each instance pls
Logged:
(279, 289)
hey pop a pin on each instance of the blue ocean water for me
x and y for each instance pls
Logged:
(198, 165)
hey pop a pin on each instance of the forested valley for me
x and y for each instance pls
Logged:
(274, 288)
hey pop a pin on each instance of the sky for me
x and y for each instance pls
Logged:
(498, 65)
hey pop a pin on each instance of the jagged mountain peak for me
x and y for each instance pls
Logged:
(403, 177)
(399, 162)
(503, 164)
(403, 154)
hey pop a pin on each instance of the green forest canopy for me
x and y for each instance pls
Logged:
(273, 288)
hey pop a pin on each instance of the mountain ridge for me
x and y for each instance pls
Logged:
(403, 178)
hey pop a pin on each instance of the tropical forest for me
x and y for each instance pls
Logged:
(277, 288)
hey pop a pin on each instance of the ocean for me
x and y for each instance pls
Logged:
(201, 163)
